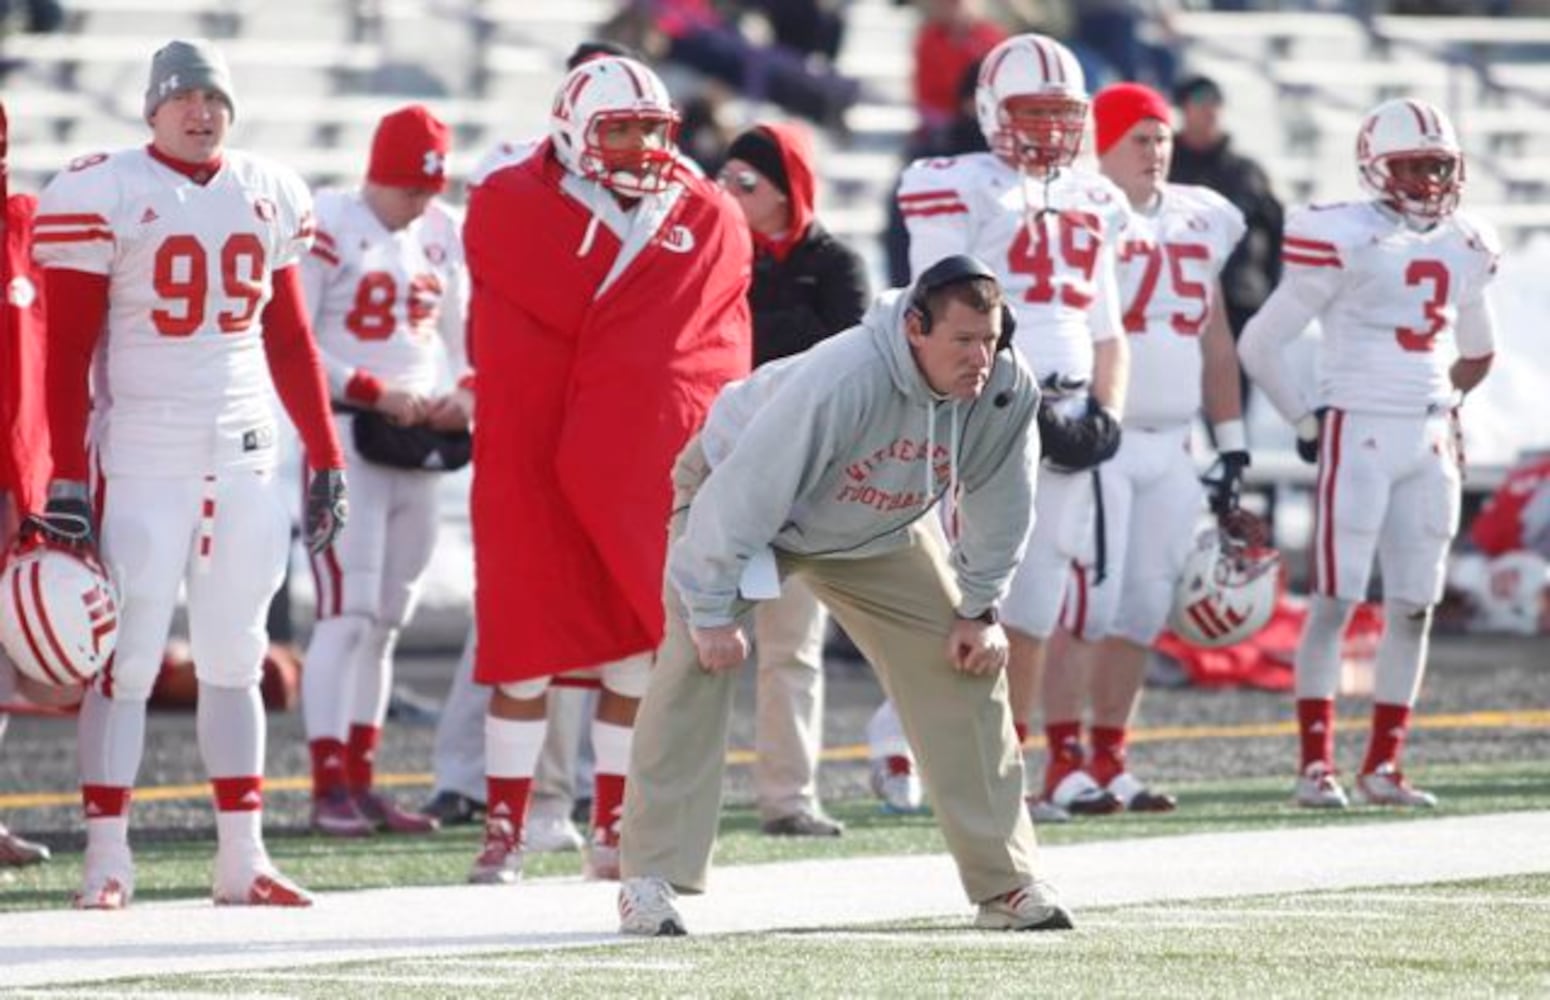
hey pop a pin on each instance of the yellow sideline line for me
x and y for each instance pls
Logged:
(1528, 719)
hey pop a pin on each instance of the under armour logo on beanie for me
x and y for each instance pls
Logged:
(1118, 108)
(410, 150)
(188, 65)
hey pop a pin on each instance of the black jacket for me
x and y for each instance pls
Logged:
(1254, 269)
(818, 290)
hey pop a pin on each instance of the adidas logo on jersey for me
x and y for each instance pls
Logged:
(148, 216)
(679, 239)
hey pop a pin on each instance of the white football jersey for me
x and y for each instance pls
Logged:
(500, 156)
(379, 299)
(1052, 245)
(1388, 300)
(181, 384)
(1168, 265)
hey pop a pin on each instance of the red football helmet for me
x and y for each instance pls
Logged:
(1408, 155)
(1032, 102)
(608, 91)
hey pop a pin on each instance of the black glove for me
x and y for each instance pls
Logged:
(1224, 481)
(66, 519)
(327, 509)
(1308, 447)
(1074, 444)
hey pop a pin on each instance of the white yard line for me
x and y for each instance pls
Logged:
(61, 946)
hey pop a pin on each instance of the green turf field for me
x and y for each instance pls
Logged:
(1483, 938)
(181, 869)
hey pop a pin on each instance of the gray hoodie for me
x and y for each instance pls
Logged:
(824, 454)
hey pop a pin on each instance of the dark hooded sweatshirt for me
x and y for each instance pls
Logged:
(808, 285)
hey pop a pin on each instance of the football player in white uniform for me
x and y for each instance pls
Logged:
(1052, 233)
(384, 281)
(1169, 262)
(1398, 285)
(175, 264)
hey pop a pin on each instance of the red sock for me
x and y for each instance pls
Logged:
(328, 773)
(104, 801)
(507, 799)
(900, 764)
(1021, 728)
(363, 754)
(1108, 760)
(244, 794)
(607, 807)
(1390, 725)
(1063, 742)
(1316, 731)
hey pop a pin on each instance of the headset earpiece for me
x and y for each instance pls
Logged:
(951, 271)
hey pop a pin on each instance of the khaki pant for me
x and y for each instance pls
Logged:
(788, 732)
(898, 608)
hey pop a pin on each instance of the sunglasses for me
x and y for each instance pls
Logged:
(745, 181)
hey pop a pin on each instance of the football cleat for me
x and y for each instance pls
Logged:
(1045, 811)
(1034, 907)
(17, 852)
(382, 813)
(454, 809)
(601, 863)
(802, 824)
(1136, 797)
(1318, 789)
(336, 814)
(1078, 794)
(107, 878)
(895, 782)
(646, 908)
(1386, 786)
(550, 831)
(253, 880)
(500, 862)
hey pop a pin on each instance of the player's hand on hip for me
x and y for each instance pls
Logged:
(452, 412)
(402, 407)
(67, 518)
(976, 648)
(328, 508)
(722, 647)
(1309, 428)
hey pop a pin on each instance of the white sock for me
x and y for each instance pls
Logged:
(1401, 660)
(109, 831)
(111, 740)
(373, 683)
(243, 831)
(511, 746)
(1317, 662)
(327, 676)
(230, 722)
(611, 747)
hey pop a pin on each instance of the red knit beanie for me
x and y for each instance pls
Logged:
(410, 150)
(1119, 107)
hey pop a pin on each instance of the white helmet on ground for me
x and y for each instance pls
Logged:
(604, 91)
(1044, 84)
(58, 615)
(1408, 155)
(1227, 592)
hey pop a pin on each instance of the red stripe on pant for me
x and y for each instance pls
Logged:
(1327, 580)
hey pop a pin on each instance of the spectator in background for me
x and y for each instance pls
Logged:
(42, 15)
(806, 287)
(1202, 154)
(954, 35)
(1116, 31)
(813, 27)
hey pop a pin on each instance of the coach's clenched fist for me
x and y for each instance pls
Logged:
(723, 647)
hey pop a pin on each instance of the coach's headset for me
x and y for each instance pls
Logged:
(951, 271)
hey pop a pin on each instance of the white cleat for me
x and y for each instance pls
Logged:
(550, 831)
(1386, 786)
(601, 863)
(107, 878)
(646, 908)
(1034, 907)
(1079, 795)
(251, 879)
(899, 789)
(18, 852)
(500, 862)
(1318, 789)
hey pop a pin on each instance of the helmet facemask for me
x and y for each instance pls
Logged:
(631, 171)
(1039, 132)
(1424, 186)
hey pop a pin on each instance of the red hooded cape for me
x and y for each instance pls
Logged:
(24, 463)
(796, 155)
(584, 401)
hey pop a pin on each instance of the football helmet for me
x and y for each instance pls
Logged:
(1227, 592)
(58, 614)
(611, 90)
(1032, 102)
(1408, 155)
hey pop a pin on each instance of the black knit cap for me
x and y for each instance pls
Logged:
(757, 148)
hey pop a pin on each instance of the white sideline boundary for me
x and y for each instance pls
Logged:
(63, 946)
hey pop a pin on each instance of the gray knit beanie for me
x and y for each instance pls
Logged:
(188, 65)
